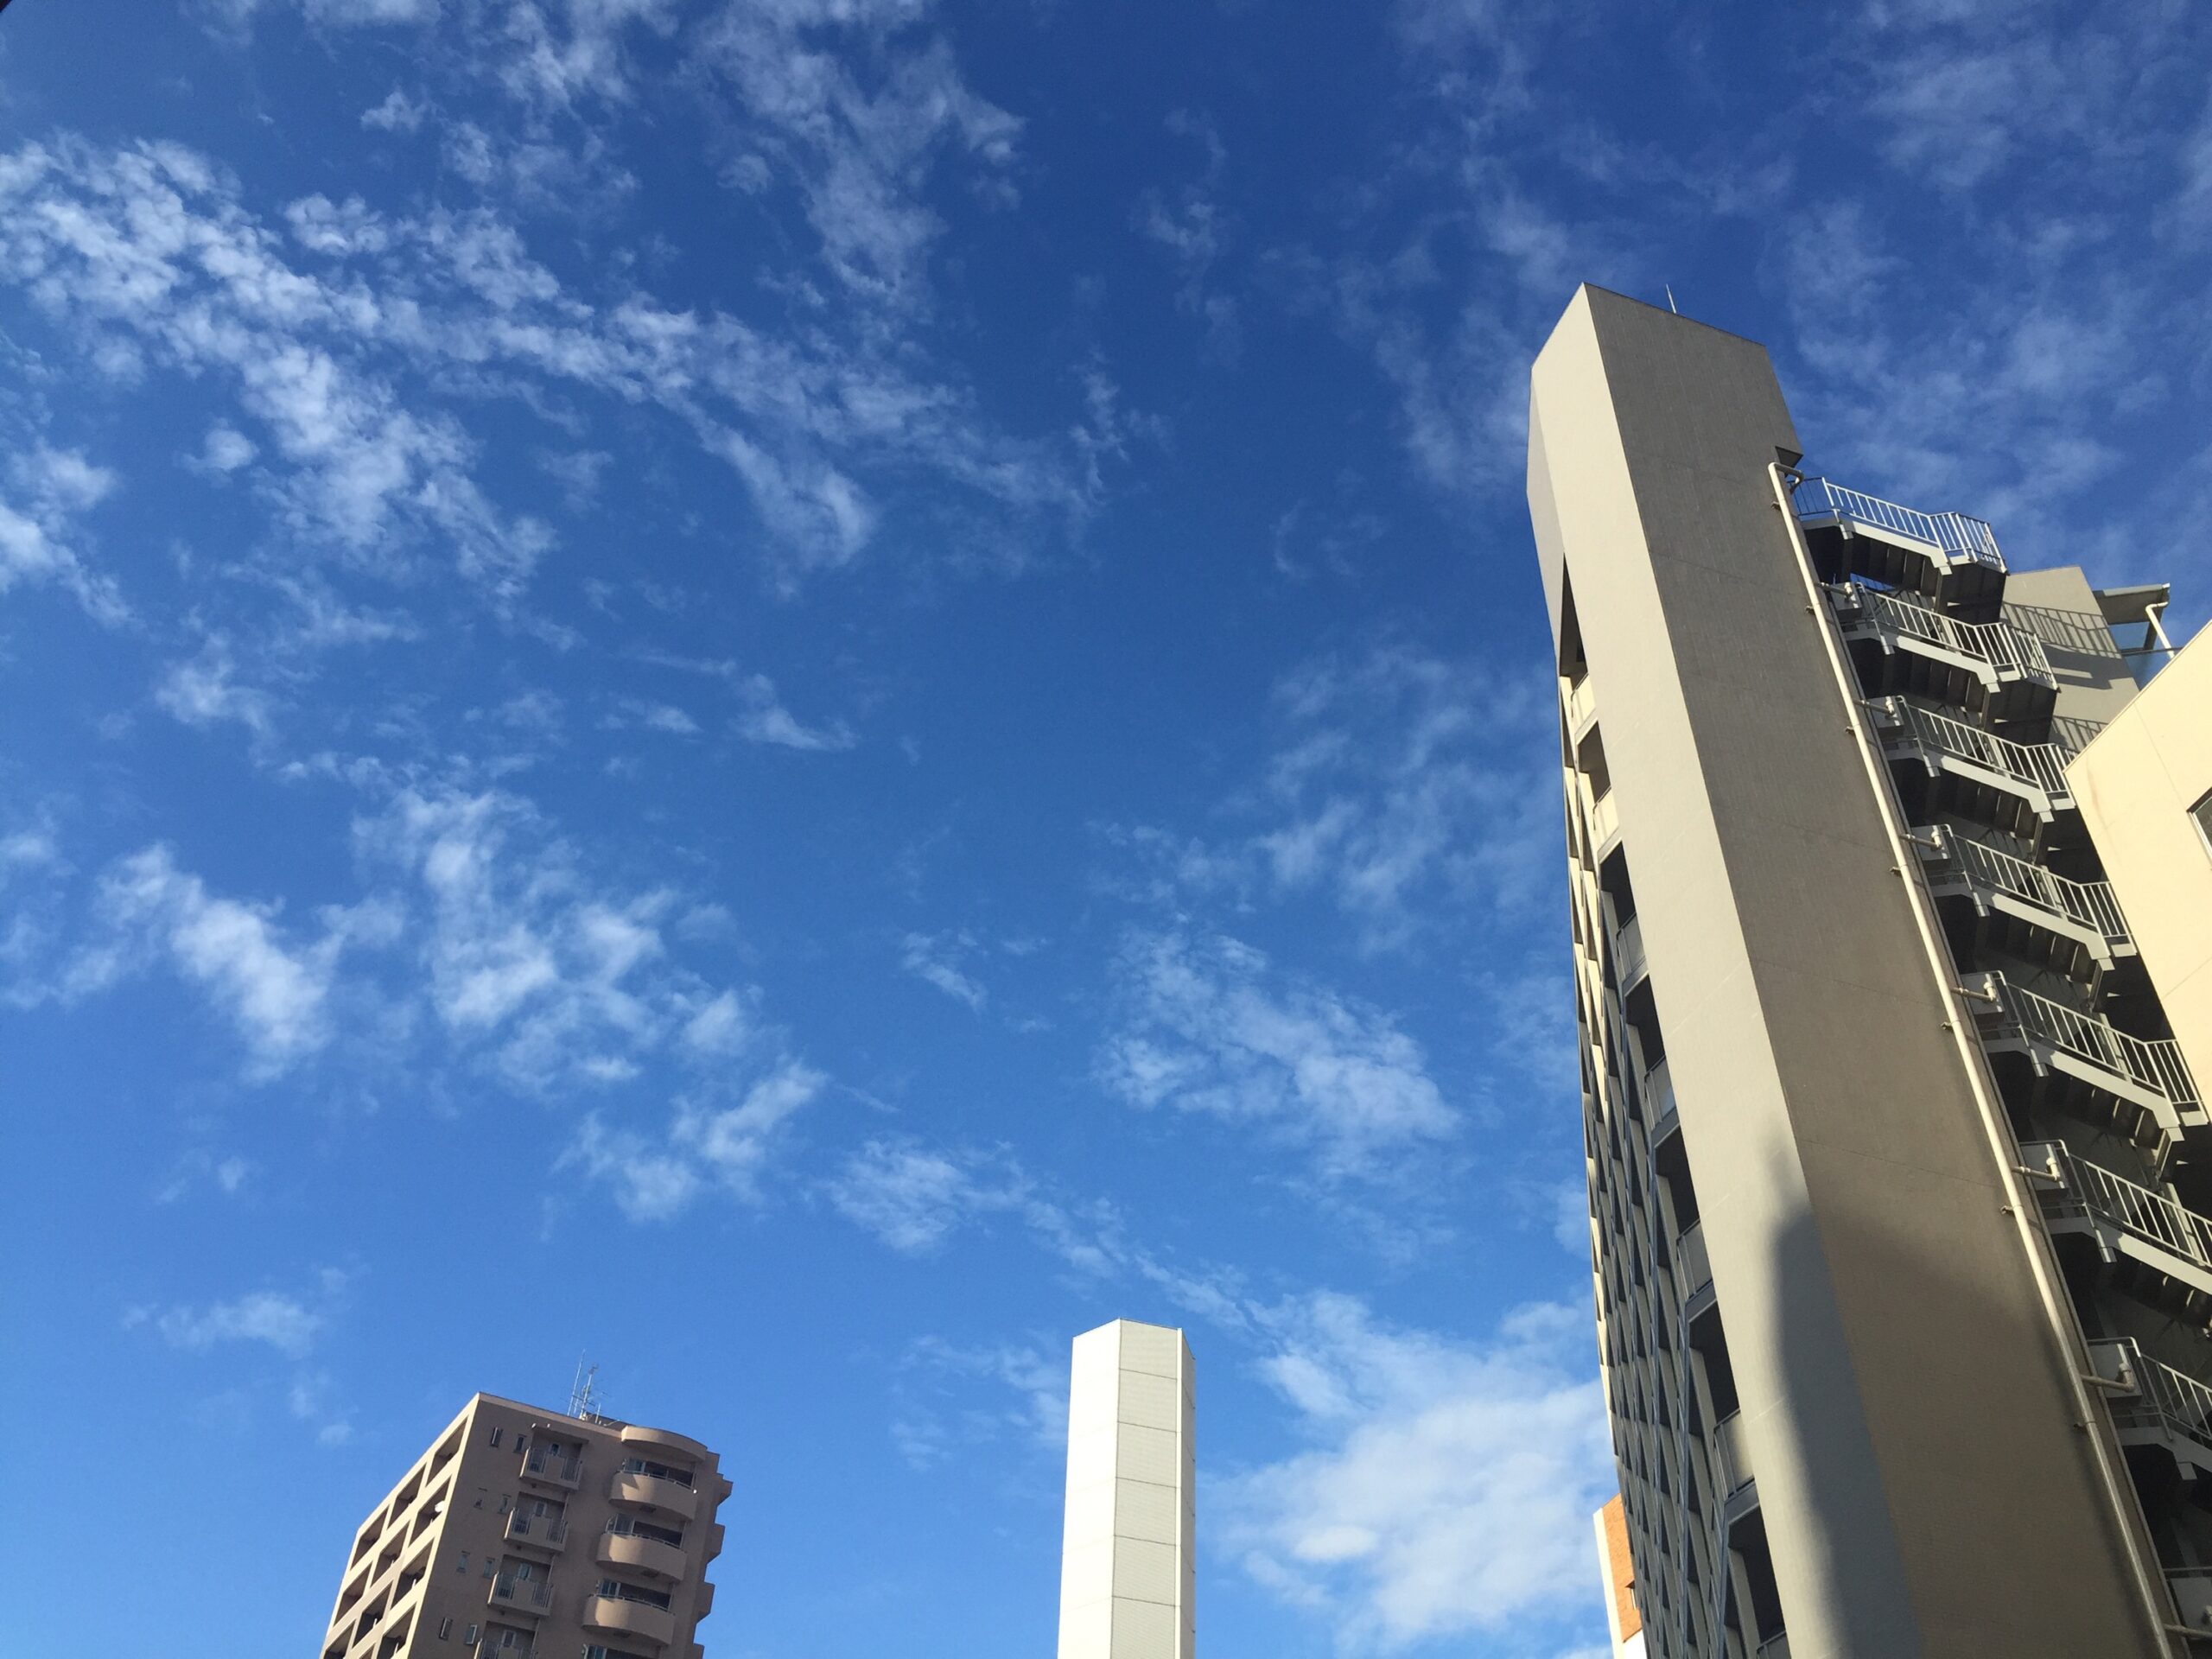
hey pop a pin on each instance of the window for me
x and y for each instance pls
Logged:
(496, 1432)
(468, 1637)
(445, 1630)
(461, 1565)
(2202, 813)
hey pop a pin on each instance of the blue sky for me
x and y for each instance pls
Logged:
(804, 693)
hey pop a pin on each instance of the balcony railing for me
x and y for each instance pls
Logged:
(546, 1464)
(2088, 905)
(2005, 649)
(2154, 1065)
(2039, 766)
(2173, 1402)
(2092, 1190)
(530, 1595)
(546, 1531)
(1731, 1457)
(1953, 534)
(1692, 1267)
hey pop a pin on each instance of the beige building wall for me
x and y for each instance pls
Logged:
(528, 1534)
(1126, 1561)
(1617, 1568)
(2142, 783)
(1907, 1398)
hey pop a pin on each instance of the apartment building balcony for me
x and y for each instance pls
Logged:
(1579, 703)
(1974, 773)
(2154, 1242)
(2079, 922)
(652, 1491)
(548, 1533)
(1693, 1273)
(639, 1620)
(533, 1598)
(1947, 556)
(1733, 1478)
(2154, 1405)
(649, 1556)
(1901, 643)
(1629, 963)
(2146, 1083)
(550, 1466)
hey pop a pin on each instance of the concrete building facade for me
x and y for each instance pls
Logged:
(1899, 1250)
(527, 1532)
(1616, 1571)
(1126, 1561)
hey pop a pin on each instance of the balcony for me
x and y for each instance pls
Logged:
(545, 1532)
(1732, 1476)
(1580, 703)
(2085, 915)
(550, 1466)
(647, 1555)
(641, 1619)
(531, 1596)
(2147, 1080)
(2153, 1404)
(1992, 668)
(1629, 963)
(650, 1491)
(2130, 1225)
(2006, 782)
(1692, 1272)
(1949, 554)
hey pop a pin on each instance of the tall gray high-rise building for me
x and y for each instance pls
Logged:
(1898, 1175)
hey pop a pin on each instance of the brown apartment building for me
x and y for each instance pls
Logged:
(1890, 866)
(527, 1532)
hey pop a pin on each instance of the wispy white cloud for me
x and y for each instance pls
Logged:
(203, 690)
(274, 990)
(656, 1177)
(1446, 1486)
(291, 1323)
(937, 1417)
(46, 490)
(333, 329)
(935, 959)
(1209, 1025)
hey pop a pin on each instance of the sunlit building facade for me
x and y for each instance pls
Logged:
(1126, 1560)
(1899, 1174)
(529, 1533)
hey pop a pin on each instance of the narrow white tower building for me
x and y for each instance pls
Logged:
(1126, 1557)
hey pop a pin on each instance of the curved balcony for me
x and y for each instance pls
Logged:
(650, 1491)
(647, 1555)
(639, 1436)
(639, 1619)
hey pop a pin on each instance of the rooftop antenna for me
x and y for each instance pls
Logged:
(584, 1393)
(1671, 306)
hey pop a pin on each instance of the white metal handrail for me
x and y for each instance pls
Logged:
(2179, 1398)
(2040, 766)
(2127, 1204)
(2091, 904)
(2154, 1064)
(2004, 648)
(1955, 533)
